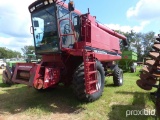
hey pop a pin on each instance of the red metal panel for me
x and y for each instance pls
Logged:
(107, 57)
(120, 36)
(51, 58)
(103, 40)
(51, 77)
(26, 67)
(99, 38)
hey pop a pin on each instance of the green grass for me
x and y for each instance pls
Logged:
(22, 100)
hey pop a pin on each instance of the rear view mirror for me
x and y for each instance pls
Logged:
(36, 24)
(71, 6)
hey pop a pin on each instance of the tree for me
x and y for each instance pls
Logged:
(149, 39)
(130, 38)
(138, 45)
(7, 53)
(141, 43)
(28, 49)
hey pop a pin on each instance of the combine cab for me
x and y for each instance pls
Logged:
(75, 50)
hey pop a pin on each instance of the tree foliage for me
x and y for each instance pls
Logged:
(28, 49)
(141, 43)
(7, 53)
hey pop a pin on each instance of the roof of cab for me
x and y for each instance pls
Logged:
(59, 3)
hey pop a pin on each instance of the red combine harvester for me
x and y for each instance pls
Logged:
(75, 50)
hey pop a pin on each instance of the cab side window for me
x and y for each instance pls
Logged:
(75, 21)
(68, 39)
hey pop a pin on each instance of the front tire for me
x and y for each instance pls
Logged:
(118, 76)
(133, 69)
(79, 83)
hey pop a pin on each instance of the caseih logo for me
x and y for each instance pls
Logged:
(25, 66)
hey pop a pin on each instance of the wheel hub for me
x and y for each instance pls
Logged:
(98, 85)
(121, 78)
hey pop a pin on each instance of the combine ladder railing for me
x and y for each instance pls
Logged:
(90, 72)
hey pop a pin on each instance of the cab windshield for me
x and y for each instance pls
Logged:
(45, 30)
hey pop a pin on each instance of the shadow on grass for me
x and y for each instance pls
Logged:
(126, 111)
(2, 85)
(21, 99)
(109, 85)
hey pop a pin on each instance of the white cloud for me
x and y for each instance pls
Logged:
(15, 43)
(145, 10)
(128, 28)
(15, 24)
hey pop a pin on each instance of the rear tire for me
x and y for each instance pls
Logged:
(118, 76)
(133, 69)
(79, 83)
(7, 76)
(5, 79)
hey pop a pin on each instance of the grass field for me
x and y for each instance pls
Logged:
(22, 102)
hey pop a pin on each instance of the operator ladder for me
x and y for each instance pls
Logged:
(90, 72)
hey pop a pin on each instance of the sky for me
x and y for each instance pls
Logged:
(125, 15)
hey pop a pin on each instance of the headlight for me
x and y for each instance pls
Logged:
(32, 9)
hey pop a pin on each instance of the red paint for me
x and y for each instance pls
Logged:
(120, 36)
(97, 42)
(51, 77)
(26, 67)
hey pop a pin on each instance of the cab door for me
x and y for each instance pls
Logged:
(76, 24)
(66, 29)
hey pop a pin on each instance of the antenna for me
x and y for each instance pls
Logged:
(88, 11)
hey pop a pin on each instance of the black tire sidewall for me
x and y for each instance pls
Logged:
(133, 69)
(117, 75)
(79, 83)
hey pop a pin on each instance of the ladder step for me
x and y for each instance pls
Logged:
(90, 69)
(90, 63)
(93, 81)
(92, 72)
(92, 91)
